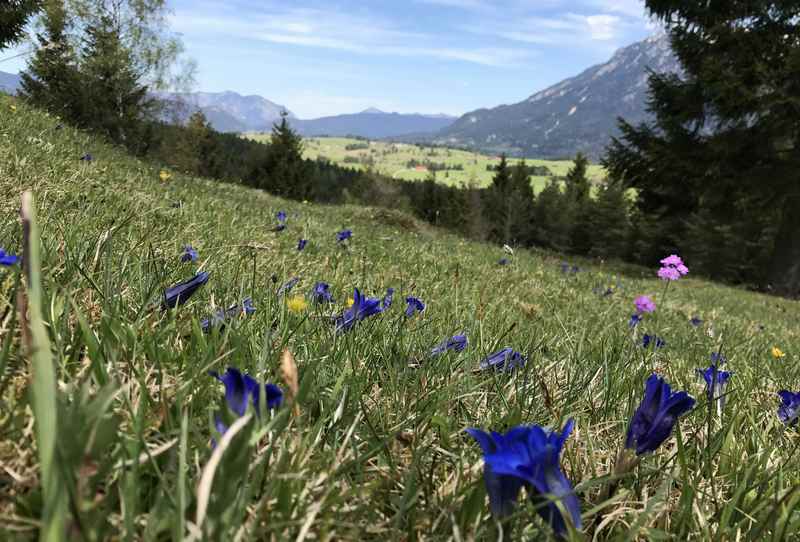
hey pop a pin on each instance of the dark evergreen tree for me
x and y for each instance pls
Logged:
(578, 206)
(552, 218)
(287, 171)
(115, 100)
(609, 218)
(51, 80)
(723, 149)
(14, 14)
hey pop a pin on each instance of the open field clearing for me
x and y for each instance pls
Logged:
(113, 428)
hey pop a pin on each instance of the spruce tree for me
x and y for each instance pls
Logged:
(723, 148)
(14, 15)
(51, 80)
(576, 194)
(287, 170)
(609, 218)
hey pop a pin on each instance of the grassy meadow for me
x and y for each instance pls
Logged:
(392, 159)
(111, 410)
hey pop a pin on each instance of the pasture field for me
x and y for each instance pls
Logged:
(108, 412)
(393, 160)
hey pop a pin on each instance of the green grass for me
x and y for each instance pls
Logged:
(376, 448)
(391, 160)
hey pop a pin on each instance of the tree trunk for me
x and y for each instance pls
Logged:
(785, 267)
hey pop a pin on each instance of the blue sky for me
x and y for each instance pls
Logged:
(431, 56)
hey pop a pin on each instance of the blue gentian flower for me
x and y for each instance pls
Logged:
(456, 343)
(279, 227)
(180, 293)
(281, 216)
(388, 298)
(656, 415)
(321, 293)
(528, 456)
(344, 235)
(220, 316)
(789, 411)
(189, 254)
(695, 321)
(414, 305)
(362, 308)
(716, 381)
(241, 390)
(7, 259)
(87, 157)
(506, 358)
(635, 319)
(657, 342)
(301, 244)
(504, 261)
(288, 285)
(717, 358)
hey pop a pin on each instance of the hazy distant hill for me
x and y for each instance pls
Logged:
(578, 114)
(374, 124)
(227, 111)
(9, 82)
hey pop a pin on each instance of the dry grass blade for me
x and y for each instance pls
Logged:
(290, 378)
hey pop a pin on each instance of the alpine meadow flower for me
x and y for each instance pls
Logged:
(528, 456)
(189, 254)
(242, 390)
(777, 353)
(164, 175)
(672, 268)
(296, 304)
(414, 305)
(644, 304)
(456, 343)
(87, 157)
(716, 381)
(504, 261)
(717, 358)
(288, 285)
(362, 308)
(301, 244)
(180, 293)
(7, 259)
(281, 216)
(219, 317)
(321, 293)
(789, 410)
(507, 359)
(344, 235)
(635, 319)
(388, 298)
(279, 228)
(654, 419)
(695, 321)
(657, 342)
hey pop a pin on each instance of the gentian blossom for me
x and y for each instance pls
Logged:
(87, 157)
(220, 316)
(716, 381)
(457, 343)
(656, 415)
(7, 259)
(528, 456)
(321, 293)
(281, 216)
(789, 411)
(635, 319)
(344, 235)
(414, 305)
(279, 228)
(301, 244)
(658, 342)
(506, 358)
(362, 308)
(189, 254)
(695, 321)
(504, 261)
(388, 298)
(180, 293)
(717, 358)
(288, 285)
(241, 390)
(672, 268)
(644, 303)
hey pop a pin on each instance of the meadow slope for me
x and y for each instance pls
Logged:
(374, 445)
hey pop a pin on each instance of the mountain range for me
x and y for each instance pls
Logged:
(577, 114)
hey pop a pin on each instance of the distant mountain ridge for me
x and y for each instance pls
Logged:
(10, 82)
(577, 114)
(373, 124)
(227, 111)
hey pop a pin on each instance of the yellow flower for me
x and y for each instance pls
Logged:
(777, 353)
(297, 304)
(12, 108)
(349, 302)
(164, 175)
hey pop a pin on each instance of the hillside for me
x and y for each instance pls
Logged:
(373, 446)
(577, 114)
(9, 82)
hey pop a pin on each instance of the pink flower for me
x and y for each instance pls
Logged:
(644, 304)
(672, 268)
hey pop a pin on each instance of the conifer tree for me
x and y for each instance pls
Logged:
(14, 14)
(609, 218)
(287, 170)
(578, 205)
